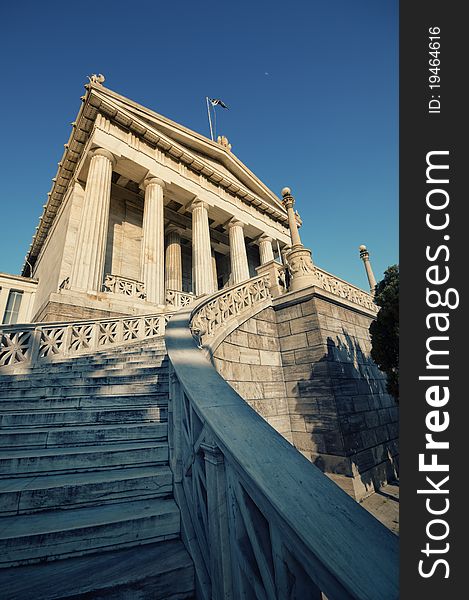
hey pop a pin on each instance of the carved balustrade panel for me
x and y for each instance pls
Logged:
(176, 299)
(213, 315)
(124, 286)
(342, 289)
(26, 344)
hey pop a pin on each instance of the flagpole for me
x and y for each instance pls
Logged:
(209, 118)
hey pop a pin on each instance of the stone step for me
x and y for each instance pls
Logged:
(82, 435)
(63, 491)
(156, 571)
(96, 359)
(85, 390)
(82, 379)
(15, 463)
(74, 532)
(85, 361)
(63, 403)
(60, 418)
(66, 371)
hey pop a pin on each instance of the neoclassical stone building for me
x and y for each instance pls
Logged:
(169, 357)
(143, 211)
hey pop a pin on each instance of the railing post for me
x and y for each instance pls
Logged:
(94, 336)
(141, 328)
(174, 422)
(218, 532)
(120, 331)
(67, 340)
(35, 345)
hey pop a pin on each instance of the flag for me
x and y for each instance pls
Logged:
(217, 102)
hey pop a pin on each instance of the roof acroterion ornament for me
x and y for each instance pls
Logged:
(97, 78)
(223, 141)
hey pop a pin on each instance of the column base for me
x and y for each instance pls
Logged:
(301, 268)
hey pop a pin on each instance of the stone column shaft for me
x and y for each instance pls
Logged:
(201, 250)
(214, 269)
(88, 264)
(266, 252)
(173, 271)
(238, 256)
(293, 225)
(152, 267)
(365, 256)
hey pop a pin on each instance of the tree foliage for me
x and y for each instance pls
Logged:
(385, 330)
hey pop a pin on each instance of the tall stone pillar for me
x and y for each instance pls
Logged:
(202, 273)
(88, 264)
(266, 252)
(173, 270)
(152, 267)
(238, 256)
(365, 256)
(298, 259)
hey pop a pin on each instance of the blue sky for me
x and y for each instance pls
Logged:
(312, 87)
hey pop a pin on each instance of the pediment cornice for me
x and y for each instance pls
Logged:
(158, 132)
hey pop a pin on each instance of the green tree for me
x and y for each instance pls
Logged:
(385, 330)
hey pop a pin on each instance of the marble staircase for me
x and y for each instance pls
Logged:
(86, 492)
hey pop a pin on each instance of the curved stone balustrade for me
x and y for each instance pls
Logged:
(215, 317)
(257, 517)
(125, 286)
(23, 345)
(177, 299)
(342, 289)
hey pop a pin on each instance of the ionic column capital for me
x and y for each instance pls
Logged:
(173, 229)
(103, 152)
(153, 181)
(234, 223)
(197, 203)
(264, 238)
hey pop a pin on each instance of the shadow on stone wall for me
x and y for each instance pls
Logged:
(351, 421)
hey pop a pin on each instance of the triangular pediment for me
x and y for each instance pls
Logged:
(213, 154)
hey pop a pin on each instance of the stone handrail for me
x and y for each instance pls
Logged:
(338, 287)
(124, 286)
(176, 299)
(214, 317)
(259, 520)
(24, 345)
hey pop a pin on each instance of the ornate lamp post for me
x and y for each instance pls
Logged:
(299, 261)
(365, 256)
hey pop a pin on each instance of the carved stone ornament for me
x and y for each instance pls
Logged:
(96, 78)
(300, 267)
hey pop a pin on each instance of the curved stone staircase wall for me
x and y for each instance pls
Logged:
(304, 365)
(250, 360)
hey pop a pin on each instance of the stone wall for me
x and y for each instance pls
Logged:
(320, 389)
(342, 418)
(250, 361)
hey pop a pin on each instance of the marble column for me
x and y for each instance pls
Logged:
(173, 270)
(238, 256)
(152, 267)
(266, 252)
(365, 256)
(88, 264)
(214, 269)
(202, 273)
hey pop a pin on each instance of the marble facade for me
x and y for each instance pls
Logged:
(142, 206)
